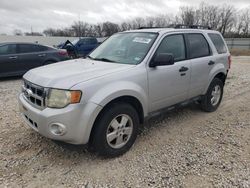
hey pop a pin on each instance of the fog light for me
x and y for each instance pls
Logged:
(57, 129)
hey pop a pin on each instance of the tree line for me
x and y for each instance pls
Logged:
(225, 18)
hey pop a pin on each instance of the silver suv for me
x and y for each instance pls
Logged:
(102, 100)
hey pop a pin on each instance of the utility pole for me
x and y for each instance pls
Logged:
(79, 26)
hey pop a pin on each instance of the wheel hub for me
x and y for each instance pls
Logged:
(119, 131)
(215, 95)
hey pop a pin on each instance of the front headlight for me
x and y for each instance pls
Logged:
(61, 98)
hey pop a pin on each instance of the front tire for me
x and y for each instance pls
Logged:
(115, 131)
(212, 99)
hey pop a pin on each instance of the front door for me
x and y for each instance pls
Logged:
(8, 60)
(29, 56)
(169, 84)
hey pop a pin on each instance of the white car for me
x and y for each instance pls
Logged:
(103, 99)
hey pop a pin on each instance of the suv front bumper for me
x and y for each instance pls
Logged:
(77, 119)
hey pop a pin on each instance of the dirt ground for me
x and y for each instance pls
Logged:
(240, 52)
(183, 148)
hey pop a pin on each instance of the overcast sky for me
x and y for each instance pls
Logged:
(41, 14)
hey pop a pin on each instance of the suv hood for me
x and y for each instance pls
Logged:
(65, 75)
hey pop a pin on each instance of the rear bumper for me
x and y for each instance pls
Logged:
(77, 119)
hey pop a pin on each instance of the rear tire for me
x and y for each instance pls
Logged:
(212, 99)
(115, 130)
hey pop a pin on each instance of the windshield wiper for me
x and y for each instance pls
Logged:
(104, 59)
(88, 56)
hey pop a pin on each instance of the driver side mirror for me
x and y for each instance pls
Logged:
(162, 59)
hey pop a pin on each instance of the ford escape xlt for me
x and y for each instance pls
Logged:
(102, 100)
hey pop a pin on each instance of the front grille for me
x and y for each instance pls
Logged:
(34, 94)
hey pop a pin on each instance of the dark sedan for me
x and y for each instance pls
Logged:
(18, 58)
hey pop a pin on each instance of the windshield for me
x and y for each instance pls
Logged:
(126, 48)
(75, 41)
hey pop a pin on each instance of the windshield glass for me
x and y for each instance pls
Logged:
(126, 48)
(75, 41)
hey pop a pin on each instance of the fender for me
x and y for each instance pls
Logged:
(218, 68)
(118, 89)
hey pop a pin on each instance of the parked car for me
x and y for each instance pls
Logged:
(80, 47)
(18, 58)
(102, 100)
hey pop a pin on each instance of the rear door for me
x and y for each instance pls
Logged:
(8, 60)
(30, 56)
(169, 84)
(223, 54)
(202, 61)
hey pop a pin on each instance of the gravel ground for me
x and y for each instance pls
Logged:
(183, 148)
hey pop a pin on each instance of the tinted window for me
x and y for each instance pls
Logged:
(8, 49)
(174, 45)
(218, 43)
(92, 41)
(198, 46)
(82, 42)
(29, 48)
(41, 48)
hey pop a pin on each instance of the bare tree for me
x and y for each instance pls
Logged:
(208, 15)
(243, 22)
(187, 15)
(80, 28)
(125, 26)
(223, 18)
(227, 15)
(109, 28)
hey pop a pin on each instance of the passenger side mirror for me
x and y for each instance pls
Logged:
(162, 59)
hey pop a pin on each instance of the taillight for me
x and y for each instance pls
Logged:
(63, 52)
(229, 61)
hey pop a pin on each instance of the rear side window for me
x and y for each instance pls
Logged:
(89, 41)
(29, 48)
(218, 43)
(198, 46)
(92, 41)
(175, 45)
(41, 48)
(82, 42)
(8, 49)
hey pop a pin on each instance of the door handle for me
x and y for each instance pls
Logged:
(211, 63)
(41, 55)
(183, 69)
(13, 57)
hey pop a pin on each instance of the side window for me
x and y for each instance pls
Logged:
(8, 49)
(175, 45)
(93, 41)
(90, 41)
(29, 48)
(218, 43)
(82, 42)
(39, 48)
(25, 48)
(198, 46)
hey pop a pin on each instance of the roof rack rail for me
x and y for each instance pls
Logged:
(183, 26)
(180, 26)
(151, 27)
